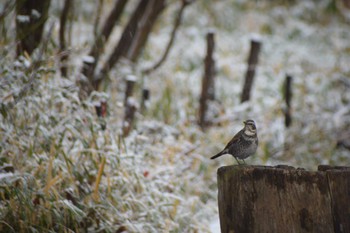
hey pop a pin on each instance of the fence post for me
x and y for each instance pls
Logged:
(208, 87)
(252, 63)
(288, 99)
(284, 199)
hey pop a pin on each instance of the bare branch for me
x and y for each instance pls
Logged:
(88, 69)
(176, 25)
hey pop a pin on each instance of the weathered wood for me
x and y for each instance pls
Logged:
(208, 87)
(62, 38)
(283, 199)
(130, 83)
(153, 11)
(30, 22)
(88, 69)
(288, 99)
(125, 40)
(252, 63)
(339, 189)
(144, 99)
(129, 115)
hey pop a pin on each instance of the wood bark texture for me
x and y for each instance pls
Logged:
(252, 63)
(288, 94)
(208, 88)
(29, 30)
(284, 199)
(62, 38)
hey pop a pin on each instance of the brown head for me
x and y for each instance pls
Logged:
(250, 128)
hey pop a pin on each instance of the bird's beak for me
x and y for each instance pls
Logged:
(244, 122)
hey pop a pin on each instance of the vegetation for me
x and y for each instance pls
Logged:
(65, 169)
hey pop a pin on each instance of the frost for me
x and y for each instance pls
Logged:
(160, 177)
(88, 59)
(132, 102)
(132, 78)
(23, 18)
(256, 37)
(35, 14)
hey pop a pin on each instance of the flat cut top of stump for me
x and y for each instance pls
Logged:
(284, 199)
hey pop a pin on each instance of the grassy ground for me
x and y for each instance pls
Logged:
(60, 172)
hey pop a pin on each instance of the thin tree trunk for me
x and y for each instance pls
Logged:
(125, 41)
(252, 63)
(88, 69)
(30, 21)
(129, 115)
(98, 17)
(176, 25)
(154, 8)
(6, 9)
(62, 39)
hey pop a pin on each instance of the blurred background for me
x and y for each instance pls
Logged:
(111, 109)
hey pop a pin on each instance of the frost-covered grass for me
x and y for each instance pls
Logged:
(60, 172)
(70, 174)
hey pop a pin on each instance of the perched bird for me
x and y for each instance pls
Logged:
(243, 144)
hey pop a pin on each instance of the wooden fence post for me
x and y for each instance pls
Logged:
(208, 89)
(284, 199)
(129, 115)
(288, 99)
(144, 99)
(130, 83)
(252, 63)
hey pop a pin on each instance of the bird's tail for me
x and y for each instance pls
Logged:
(218, 154)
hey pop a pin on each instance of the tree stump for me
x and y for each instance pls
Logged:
(284, 199)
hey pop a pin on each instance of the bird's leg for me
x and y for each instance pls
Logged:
(237, 160)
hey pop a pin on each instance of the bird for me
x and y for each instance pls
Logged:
(243, 144)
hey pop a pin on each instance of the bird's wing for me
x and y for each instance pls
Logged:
(234, 140)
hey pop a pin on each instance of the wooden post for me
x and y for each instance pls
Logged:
(288, 99)
(130, 81)
(144, 99)
(101, 109)
(29, 32)
(130, 109)
(284, 199)
(252, 63)
(208, 89)
(62, 38)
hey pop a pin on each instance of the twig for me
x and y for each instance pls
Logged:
(98, 17)
(176, 24)
(153, 10)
